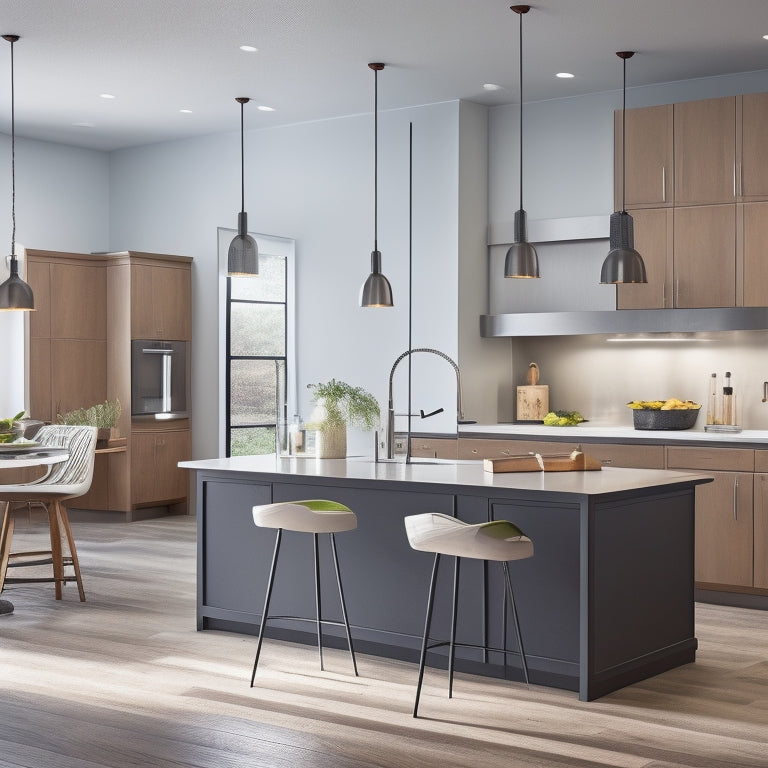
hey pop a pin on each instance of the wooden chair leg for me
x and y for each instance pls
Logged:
(6, 534)
(56, 554)
(64, 518)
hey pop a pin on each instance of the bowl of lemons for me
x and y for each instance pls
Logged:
(664, 414)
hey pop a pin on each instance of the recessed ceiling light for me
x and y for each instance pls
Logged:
(265, 108)
(765, 37)
(106, 96)
(185, 111)
(564, 75)
(83, 125)
(248, 48)
(491, 87)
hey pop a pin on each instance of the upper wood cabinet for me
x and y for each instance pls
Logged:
(752, 168)
(705, 151)
(160, 305)
(653, 229)
(704, 255)
(649, 158)
(753, 229)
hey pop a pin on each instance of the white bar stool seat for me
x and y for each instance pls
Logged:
(315, 516)
(498, 540)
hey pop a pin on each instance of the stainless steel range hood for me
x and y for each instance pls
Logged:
(624, 321)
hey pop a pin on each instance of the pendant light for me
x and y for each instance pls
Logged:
(376, 291)
(521, 260)
(623, 264)
(15, 294)
(243, 256)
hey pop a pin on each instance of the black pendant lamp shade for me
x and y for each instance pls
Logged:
(15, 294)
(521, 260)
(243, 258)
(623, 264)
(376, 290)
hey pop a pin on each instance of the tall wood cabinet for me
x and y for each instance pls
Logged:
(90, 307)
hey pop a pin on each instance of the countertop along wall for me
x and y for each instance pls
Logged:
(568, 172)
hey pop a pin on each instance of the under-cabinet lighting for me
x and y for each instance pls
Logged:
(491, 87)
(657, 338)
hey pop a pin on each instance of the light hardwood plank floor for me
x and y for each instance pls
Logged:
(124, 679)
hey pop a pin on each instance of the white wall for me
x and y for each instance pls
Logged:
(312, 182)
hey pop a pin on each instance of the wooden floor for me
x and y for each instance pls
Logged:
(125, 680)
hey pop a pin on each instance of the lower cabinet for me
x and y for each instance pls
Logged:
(156, 478)
(725, 514)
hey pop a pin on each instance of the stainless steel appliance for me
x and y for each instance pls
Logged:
(159, 379)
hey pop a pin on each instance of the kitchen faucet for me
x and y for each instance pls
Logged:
(391, 407)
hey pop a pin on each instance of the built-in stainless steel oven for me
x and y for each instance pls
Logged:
(159, 379)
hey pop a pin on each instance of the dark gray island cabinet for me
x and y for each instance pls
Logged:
(606, 600)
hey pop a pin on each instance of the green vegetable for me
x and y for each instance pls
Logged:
(563, 419)
(7, 424)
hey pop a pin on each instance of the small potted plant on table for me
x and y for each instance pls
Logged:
(339, 404)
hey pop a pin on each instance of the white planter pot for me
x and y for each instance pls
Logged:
(331, 443)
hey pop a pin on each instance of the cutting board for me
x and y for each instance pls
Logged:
(576, 461)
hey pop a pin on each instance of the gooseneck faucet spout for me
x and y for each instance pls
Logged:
(390, 403)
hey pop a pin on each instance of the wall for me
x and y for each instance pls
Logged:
(314, 182)
(568, 172)
(62, 204)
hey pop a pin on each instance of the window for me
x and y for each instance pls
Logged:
(258, 360)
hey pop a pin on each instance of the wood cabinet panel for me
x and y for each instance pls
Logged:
(724, 530)
(754, 222)
(40, 399)
(486, 448)
(705, 256)
(729, 459)
(155, 476)
(434, 447)
(625, 455)
(78, 374)
(653, 230)
(649, 158)
(753, 167)
(705, 151)
(761, 531)
(39, 279)
(79, 301)
(160, 307)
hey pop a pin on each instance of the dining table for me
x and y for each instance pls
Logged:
(17, 455)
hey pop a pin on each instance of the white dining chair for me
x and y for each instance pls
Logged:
(65, 480)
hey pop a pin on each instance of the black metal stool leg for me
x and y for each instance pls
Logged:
(318, 606)
(508, 585)
(343, 604)
(454, 609)
(266, 602)
(427, 625)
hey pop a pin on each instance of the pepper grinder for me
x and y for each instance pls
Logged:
(729, 411)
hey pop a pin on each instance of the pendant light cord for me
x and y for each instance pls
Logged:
(521, 110)
(13, 165)
(375, 159)
(624, 141)
(242, 157)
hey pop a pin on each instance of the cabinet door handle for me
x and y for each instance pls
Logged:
(735, 498)
(677, 293)
(734, 179)
(663, 183)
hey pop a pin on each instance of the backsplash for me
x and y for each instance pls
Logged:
(597, 376)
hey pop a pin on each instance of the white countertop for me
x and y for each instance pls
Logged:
(450, 473)
(540, 432)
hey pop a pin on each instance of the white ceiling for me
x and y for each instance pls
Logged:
(159, 56)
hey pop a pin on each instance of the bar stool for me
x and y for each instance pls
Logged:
(499, 540)
(315, 516)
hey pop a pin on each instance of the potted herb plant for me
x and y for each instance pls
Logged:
(339, 404)
(104, 416)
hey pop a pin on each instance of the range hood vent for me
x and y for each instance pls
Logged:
(611, 322)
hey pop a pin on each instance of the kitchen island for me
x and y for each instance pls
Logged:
(607, 599)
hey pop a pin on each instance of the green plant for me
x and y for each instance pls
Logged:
(102, 415)
(344, 404)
